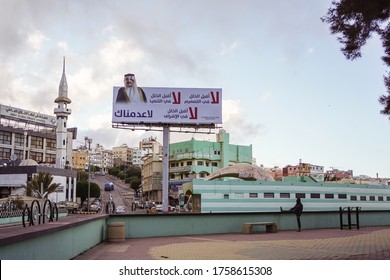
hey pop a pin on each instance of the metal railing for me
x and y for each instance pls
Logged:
(36, 215)
(349, 211)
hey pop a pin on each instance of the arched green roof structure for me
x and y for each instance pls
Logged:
(242, 171)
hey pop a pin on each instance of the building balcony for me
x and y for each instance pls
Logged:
(180, 169)
(194, 169)
(191, 156)
(179, 181)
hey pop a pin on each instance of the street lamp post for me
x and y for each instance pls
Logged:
(89, 140)
(24, 144)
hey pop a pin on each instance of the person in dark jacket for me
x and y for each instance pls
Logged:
(297, 209)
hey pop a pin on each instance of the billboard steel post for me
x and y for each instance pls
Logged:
(165, 168)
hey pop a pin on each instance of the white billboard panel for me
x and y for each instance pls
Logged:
(27, 116)
(152, 105)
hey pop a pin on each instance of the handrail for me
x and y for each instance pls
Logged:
(350, 211)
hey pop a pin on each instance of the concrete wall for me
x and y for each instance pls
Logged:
(54, 244)
(138, 226)
(62, 242)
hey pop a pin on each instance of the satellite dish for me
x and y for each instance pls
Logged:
(13, 157)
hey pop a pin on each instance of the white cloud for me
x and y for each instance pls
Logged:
(264, 97)
(99, 121)
(63, 46)
(229, 49)
(117, 53)
(108, 29)
(235, 122)
(36, 39)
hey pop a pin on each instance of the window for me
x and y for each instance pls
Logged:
(353, 197)
(5, 153)
(38, 157)
(19, 140)
(36, 142)
(253, 195)
(269, 195)
(214, 164)
(5, 137)
(300, 195)
(226, 196)
(363, 198)
(51, 144)
(372, 198)
(217, 152)
(329, 195)
(314, 195)
(239, 195)
(18, 153)
(189, 162)
(284, 195)
(342, 196)
(50, 158)
(380, 198)
(388, 198)
(200, 163)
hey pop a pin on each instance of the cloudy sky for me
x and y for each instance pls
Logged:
(287, 89)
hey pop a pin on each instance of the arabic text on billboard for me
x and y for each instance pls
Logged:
(25, 115)
(169, 106)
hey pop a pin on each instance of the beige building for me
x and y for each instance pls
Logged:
(107, 160)
(122, 155)
(150, 145)
(152, 177)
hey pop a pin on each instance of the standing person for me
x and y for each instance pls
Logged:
(130, 93)
(297, 209)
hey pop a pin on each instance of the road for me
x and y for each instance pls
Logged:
(121, 195)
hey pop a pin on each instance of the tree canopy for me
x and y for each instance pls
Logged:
(82, 190)
(355, 21)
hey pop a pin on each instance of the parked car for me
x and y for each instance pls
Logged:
(159, 208)
(120, 210)
(71, 206)
(94, 207)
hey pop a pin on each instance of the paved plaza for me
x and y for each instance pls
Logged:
(371, 243)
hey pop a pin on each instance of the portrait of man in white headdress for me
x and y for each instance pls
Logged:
(130, 93)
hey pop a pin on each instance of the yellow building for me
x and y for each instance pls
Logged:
(80, 159)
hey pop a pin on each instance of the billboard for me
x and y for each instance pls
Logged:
(173, 106)
(27, 116)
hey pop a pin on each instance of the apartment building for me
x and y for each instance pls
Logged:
(122, 155)
(190, 160)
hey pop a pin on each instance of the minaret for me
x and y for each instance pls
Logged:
(62, 113)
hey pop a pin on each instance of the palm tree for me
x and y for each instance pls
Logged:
(41, 185)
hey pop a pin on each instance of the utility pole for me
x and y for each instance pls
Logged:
(89, 140)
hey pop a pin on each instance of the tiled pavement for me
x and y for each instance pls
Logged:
(371, 243)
